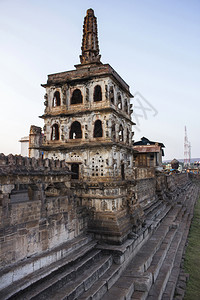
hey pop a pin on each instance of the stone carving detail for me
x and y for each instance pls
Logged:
(90, 45)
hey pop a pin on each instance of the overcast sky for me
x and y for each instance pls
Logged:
(153, 45)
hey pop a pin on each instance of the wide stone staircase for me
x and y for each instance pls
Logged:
(146, 266)
(153, 272)
(65, 278)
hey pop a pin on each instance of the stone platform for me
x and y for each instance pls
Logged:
(145, 266)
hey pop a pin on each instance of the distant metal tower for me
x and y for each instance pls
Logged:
(187, 149)
(189, 146)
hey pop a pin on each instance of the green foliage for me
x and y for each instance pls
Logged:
(192, 257)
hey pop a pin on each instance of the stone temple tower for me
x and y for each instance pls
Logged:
(87, 122)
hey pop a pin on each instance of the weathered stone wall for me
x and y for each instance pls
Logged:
(145, 188)
(38, 211)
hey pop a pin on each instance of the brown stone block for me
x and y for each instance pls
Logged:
(2, 232)
(21, 226)
(7, 246)
(43, 235)
(10, 237)
(22, 231)
(32, 224)
(43, 227)
(10, 229)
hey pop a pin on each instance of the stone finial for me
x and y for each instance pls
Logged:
(90, 45)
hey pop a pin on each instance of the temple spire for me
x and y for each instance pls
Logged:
(90, 45)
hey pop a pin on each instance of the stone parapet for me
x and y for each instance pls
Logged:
(19, 165)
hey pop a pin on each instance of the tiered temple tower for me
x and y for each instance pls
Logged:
(87, 122)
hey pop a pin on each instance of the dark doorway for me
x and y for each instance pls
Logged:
(98, 132)
(75, 169)
(75, 131)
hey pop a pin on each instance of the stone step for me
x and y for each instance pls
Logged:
(139, 295)
(154, 210)
(152, 205)
(97, 291)
(160, 255)
(68, 266)
(59, 278)
(26, 267)
(122, 290)
(160, 268)
(136, 277)
(173, 278)
(122, 285)
(72, 290)
(158, 288)
(159, 218)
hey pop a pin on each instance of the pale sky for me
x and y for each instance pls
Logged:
(153, 44)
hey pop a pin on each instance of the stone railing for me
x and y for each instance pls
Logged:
(17, 164)
(144, 173)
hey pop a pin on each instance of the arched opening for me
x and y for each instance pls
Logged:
(119, 104)
(55, 132)
(113, 133)
(75, 131)
(76, 97)
(56, 99)
(97, 93)
(127, 136)
(121, 133)
(75, 169)
(111, 95)
(126, 106)
(98, 131)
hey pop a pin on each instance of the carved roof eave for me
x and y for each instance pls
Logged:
(84, 145)
(85, 74)
(88, 111)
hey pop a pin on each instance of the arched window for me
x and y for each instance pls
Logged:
(97, 93)
(55, 132)
(75, 131)
(98, 132)
(121, 134)
(119, 104)
(113, 133)
(56, 99)
(75, 169)
(127, 136)
(126, 106)
(76, 97)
